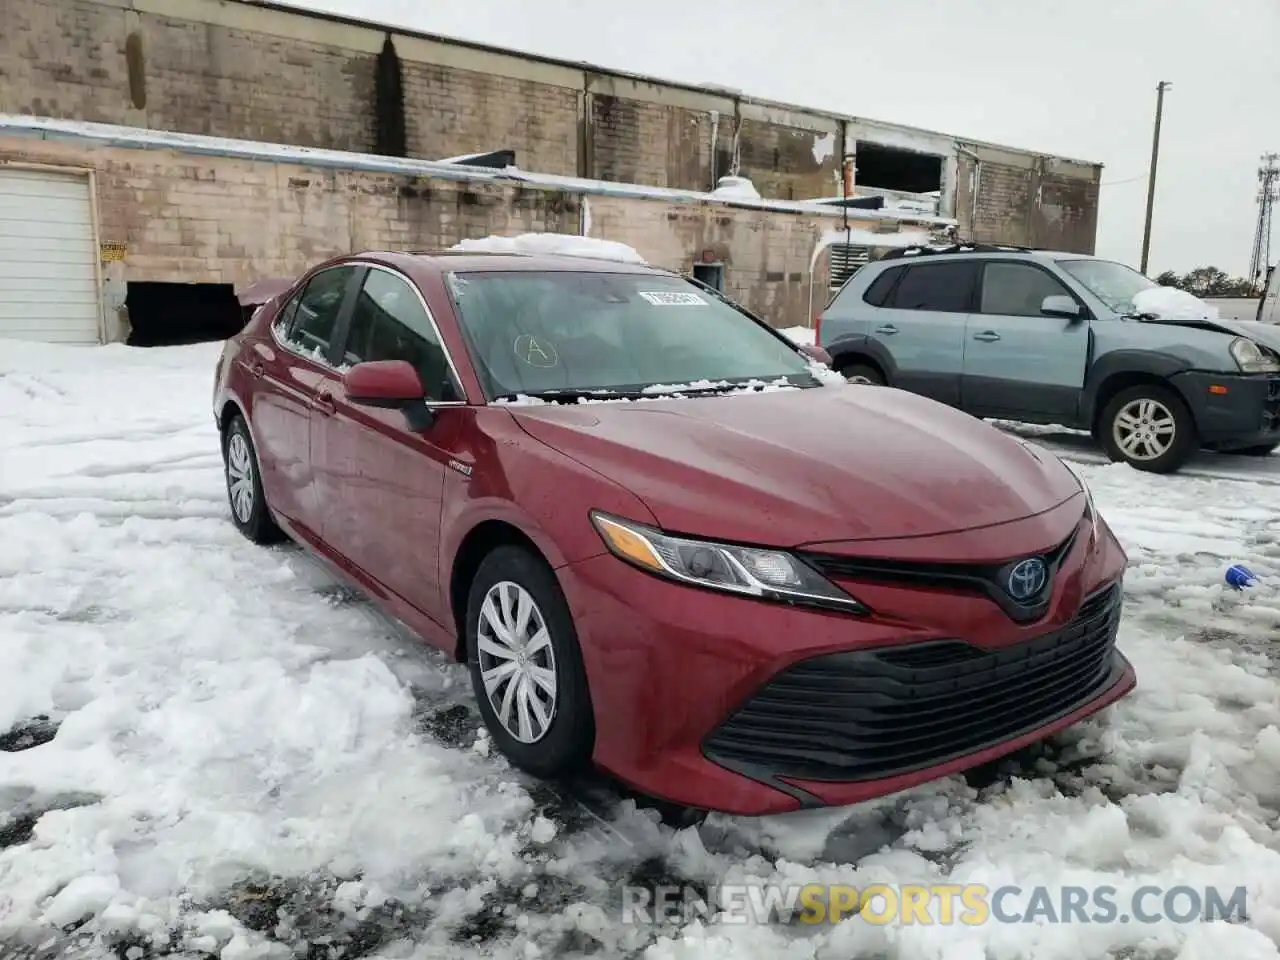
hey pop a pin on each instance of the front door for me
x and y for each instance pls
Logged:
(922, 325)
(382, 480)
(1018, 362)
(290, 365)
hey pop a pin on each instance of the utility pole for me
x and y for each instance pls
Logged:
(1161, 87)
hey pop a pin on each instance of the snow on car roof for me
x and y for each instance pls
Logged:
(553, 244)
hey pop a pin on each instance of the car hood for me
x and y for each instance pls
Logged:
(1267, 334)
(793, 467)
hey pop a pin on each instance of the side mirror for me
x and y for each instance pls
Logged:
(815, 352)
(392, 384)
(1061, 306)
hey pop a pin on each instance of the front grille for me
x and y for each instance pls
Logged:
(987, 579)
(871, 714)
(1271, 410)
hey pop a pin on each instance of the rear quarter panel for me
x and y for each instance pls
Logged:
(848, 317)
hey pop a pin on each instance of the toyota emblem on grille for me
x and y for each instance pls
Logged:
(1027, 579)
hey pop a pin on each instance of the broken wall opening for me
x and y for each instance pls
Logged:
(891, 168)
(170, 314)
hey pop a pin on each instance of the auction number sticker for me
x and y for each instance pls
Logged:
(673, 298)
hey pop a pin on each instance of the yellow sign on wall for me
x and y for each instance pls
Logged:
(113, 252)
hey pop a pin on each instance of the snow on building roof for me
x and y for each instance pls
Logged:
(133, 138)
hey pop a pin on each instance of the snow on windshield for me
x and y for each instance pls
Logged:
(553, 244)
(1170, 303)
(1113, 283)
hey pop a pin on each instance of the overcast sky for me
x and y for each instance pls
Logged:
(1075, 78)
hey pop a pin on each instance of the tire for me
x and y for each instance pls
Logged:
(862, 373)
(1149, 410)
(560, 741)
(249, 510)
(1263, 451)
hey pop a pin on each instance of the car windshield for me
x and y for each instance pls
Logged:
(565, 334)
(1113, 283)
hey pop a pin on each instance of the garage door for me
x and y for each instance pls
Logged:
(48, 258)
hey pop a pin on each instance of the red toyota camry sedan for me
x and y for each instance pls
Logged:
(666, 540)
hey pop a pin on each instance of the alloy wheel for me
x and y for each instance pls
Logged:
(240, 476)
(1144, 429)
(517, 661)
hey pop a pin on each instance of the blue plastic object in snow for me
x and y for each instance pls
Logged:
(1240, 577)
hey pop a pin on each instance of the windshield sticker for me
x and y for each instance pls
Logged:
(672, 298)
(534, 352)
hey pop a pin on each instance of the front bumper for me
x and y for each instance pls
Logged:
(751, 708)
(1232, 411)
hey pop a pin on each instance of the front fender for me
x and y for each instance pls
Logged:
(1124, 362)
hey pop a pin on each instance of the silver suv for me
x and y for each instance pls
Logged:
(1056, 338)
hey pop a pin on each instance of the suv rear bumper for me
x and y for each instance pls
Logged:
(1232, 410)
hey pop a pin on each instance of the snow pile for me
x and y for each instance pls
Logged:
(211, 749)
(559, 244)
(735, 188)
(1170, 303)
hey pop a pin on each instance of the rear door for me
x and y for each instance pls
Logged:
(922, 325)
(1019, 362)
(289, 367)
(381, 480)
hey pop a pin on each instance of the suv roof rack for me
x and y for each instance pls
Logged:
(925, 250)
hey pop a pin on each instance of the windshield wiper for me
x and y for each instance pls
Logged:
(573, 395)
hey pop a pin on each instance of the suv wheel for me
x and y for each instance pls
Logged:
(1148, 427)
(861, 373)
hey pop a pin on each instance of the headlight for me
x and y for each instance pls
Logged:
(1250, 358)
(767, 574)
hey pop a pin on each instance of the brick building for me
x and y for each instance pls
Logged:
(146, 131)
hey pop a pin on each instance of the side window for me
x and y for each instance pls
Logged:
(942, 287)
(316, 314)
(878, 293)
(1017, 289)
(389, 323)
(284, 319)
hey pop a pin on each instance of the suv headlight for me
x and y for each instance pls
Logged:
(1251, 358)
(750, 571)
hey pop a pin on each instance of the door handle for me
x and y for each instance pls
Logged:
(324, 403)
(257, 368)
(888, 329)
(988, 336)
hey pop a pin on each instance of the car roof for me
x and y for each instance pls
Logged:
(464, 261)
(907, 255)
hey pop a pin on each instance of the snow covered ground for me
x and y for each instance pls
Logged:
(209, 749)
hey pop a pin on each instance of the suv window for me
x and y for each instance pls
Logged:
(1017, 289)
(313, 318)
(388, 322)
(946, 287)
(878, 293)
